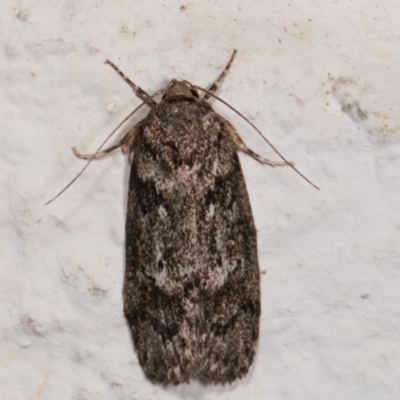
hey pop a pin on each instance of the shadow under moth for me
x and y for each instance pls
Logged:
(192, 282)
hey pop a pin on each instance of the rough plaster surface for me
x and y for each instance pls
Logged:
(320, 78)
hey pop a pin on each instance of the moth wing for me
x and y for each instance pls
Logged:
(191, 292)
(157, 305)
(232, 302)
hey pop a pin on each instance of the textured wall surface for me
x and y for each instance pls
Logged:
(320, 79)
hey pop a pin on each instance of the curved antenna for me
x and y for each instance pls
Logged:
(259, 132)
(101, 146)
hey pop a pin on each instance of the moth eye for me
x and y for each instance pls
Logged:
(194, 93)
(162, 98)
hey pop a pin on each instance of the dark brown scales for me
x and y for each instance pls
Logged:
(192, 286)
(191, 291)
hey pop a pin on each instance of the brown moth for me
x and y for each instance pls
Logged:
(192, 281)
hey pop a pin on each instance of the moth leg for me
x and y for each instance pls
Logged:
(126, 142)
(241, 146)
(128, 153)
(139, 92)
(214, 87)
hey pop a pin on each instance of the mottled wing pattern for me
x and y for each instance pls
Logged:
(191, 289)
(232, 308)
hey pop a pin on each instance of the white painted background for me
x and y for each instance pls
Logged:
(319, 78)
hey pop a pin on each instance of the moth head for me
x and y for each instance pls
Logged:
(180, 88)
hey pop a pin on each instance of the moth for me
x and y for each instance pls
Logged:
(192, 282)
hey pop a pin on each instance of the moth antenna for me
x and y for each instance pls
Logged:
(259, 132)
(139, 91)
(101, 146)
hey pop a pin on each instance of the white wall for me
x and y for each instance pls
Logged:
(319, 78)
